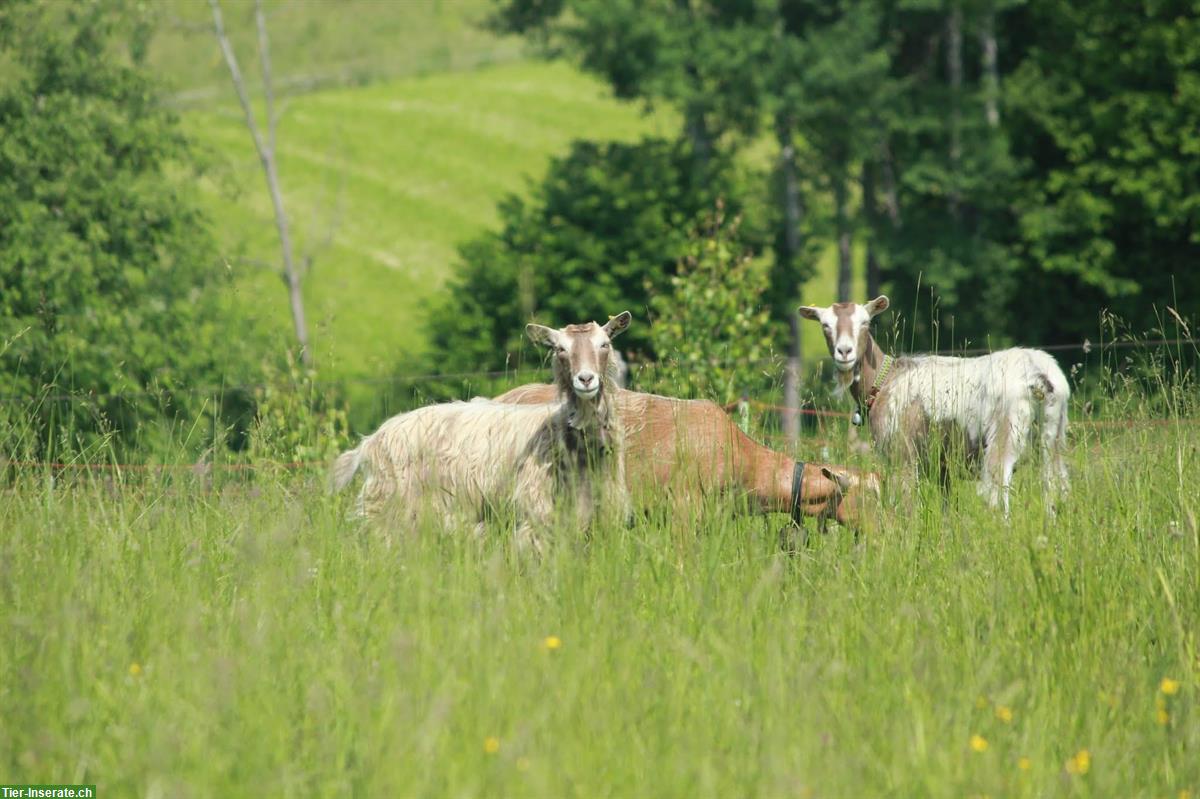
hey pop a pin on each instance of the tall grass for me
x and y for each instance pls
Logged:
(161, 639)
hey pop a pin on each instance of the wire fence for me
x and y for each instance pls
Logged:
(84, 395)
(764, 431)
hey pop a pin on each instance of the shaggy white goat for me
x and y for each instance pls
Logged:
(463, 458)
(991, 400)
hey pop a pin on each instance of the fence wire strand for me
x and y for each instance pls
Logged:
(399, 379)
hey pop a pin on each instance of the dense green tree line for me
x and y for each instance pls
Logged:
(1007, 169)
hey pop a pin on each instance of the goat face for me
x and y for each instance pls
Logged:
(582, 353)
(847, 326)
(856, 497)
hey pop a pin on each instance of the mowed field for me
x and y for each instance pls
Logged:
(163, 640)
(384, 183)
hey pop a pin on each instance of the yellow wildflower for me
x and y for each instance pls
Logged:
(1185, 794)
(1003, 713)
(1168, 686)
(1162, 716)
(491, 744)
(979, 743)
(135, 669)
(1080, 763)
(1024, 763)
(552, 642)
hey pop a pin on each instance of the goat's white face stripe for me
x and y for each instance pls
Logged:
(843, 327)
(585, 354)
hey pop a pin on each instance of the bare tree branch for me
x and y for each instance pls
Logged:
(266, 155)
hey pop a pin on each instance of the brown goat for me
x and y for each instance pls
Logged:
(676, 444)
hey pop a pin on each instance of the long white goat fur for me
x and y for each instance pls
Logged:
(459, 456)
(992, 398)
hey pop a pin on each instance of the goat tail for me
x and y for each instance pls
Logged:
(344, 468)
(1053, 391)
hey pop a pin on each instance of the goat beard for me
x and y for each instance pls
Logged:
(843, 381)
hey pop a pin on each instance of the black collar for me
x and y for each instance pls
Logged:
(798, 493)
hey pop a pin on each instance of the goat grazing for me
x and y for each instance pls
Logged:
(991, 400)
(466, 457)
(679, 445)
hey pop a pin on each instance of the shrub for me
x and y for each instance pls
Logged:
(712, 329)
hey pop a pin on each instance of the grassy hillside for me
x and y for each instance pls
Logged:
(383, 182)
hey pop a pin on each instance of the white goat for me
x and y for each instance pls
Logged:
(464, 458)
(991, 400)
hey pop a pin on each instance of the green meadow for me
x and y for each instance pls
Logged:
(167, 639)
(384, 182)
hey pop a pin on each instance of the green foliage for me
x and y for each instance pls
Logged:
(296, 420)
(950, 232)
(1106, 111)
(109, 280)
(988, 153)
(601, 234)
(711, 327)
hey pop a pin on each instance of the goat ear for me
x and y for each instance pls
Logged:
(878, 305)
(839, 477)
(618, 324)
(809, 312)
(540, 334)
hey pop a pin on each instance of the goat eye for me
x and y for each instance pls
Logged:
(604, 346)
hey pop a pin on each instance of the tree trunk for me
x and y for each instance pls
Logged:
(696, 130)
(891, 196)
(266, 155)
(991, 78)
(791, 239)
(954, 73)
(845, 267)
(872, 220)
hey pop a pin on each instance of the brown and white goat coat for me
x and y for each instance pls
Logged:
(684, 449)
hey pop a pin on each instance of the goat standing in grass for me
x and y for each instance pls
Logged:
(991, 400)
(462, 458)
(675, 448)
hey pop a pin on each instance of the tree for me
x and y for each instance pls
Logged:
(602, 233)
(265, 146)
(1104, 106)
(946, 178)
(712, 326)
(832, 79)
(728, 65)
(109, 277)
